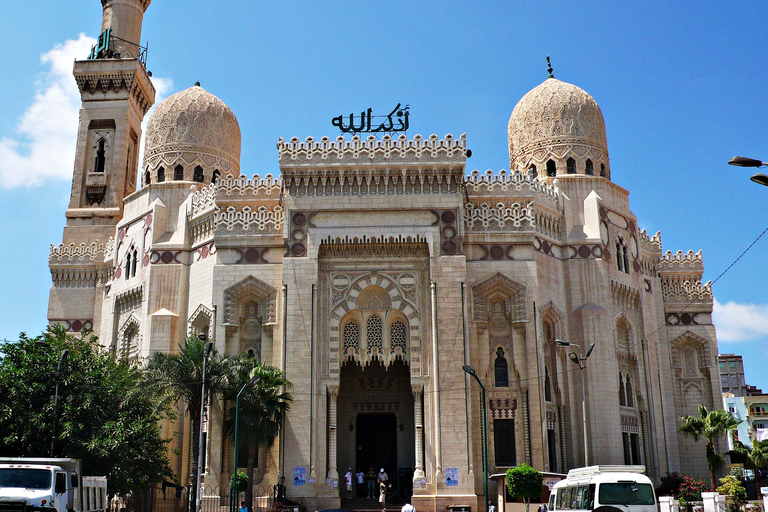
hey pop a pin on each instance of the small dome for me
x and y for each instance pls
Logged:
(195, 132)
(557, 124)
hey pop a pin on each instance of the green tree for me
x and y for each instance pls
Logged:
(102, 415)
(179, 377)
(754, 458)
(524, 482)
(711, 425)
(263, 406)
(735, 492)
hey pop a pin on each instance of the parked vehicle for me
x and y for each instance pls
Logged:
(622, 487)
(49, 485)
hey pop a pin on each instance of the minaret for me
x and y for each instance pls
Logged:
(116, 93)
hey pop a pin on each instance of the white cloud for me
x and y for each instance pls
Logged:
(44, 146)
(740, 322)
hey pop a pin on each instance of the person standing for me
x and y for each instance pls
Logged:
(371, 477)
(383, 476)
(491, 507)
(360, 483)
(348, 478)
(408, 507)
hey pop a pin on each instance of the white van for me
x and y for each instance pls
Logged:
(623, 487)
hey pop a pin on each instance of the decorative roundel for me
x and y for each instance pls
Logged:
(118, 272)
(407, 281)
(252, 255)
(498, 324)
(299, 235)
(585, 251)
(148, 220)
(145, 261)
(449, 232)
(448, 217)
(298, 249)
(340, 282)
(166, 257)
(686, 318)
(299, 219)
(545, 246)
(597, 251)
(497, 252)
(636, 265)
(77, 325)
(449, 247)
(633, 246)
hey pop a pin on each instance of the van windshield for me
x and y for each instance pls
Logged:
(25, 478)
(626, 493)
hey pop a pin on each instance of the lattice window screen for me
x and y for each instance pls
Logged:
(397, 337)
(351, 338)
(374, 331)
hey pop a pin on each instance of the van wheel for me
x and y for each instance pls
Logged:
(607, 508)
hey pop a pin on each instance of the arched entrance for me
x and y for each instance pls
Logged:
(375, 422)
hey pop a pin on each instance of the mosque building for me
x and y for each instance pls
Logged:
(371, 270)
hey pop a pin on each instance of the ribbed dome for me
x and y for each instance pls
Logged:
(194, 129)
(557, 121)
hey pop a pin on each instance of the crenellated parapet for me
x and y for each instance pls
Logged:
(372, 151)
(254, 188)
(681, 278)
(262, 220)
(510, 184)
(77, 254)
(499, 217)
(682, 263)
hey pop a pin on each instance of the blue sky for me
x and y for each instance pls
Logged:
(682, 86)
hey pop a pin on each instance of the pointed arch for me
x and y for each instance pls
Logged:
(129, 339)
(257, 290)
(500, 287)
(200, 321)
(689, 339)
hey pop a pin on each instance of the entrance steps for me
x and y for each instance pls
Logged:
(369, 505)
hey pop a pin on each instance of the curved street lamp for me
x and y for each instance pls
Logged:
(206, 352)
(742, 161)
(580, 359)
(473, 373)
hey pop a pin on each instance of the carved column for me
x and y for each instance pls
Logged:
(418, 474)
(333, 395)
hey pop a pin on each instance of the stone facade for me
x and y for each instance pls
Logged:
(372, 269)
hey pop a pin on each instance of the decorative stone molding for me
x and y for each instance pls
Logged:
(250, 287)
(72, 253)
(684, 289)
(450, 239)
(260, 220)
(73, 325)
(489, 217)
(494, 252)
(374, 247)
(75, 277)
(514, 183)
(624, 296)
(688, 338)
(129, 299)
(200, 318)
(650, 242)
(499, 285)
(682, 263)
(503, 409)
(254, 188)
(203, 201)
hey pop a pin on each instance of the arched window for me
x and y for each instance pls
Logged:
(160, 174)
(215, 176)
(127, 265)
(374, 331)
(501, 370)
(100, 157)
(178, 173)
(630, 397)
(622, 400)
(397, 337)
(532, 171)
(547, 386)
(147, 179)
(551, 168)
(351, 339)
(619, 258)
(135, 263)
(570, 166)
(588, 167)
(602, 170)
(626, 261)
(199, 176)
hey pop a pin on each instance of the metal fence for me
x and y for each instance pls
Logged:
(172, 498)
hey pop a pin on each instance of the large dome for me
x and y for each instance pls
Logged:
(558, 125)
(195, 133)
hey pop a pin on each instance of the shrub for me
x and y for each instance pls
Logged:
(670, 485)
(691, 489)
(734, 491)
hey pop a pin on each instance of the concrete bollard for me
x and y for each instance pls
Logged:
(764, 492)
(668, 504)
(713, 502)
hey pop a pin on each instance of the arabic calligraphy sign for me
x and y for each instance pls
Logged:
(395, 121)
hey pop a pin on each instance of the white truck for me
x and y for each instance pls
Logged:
(49, 485)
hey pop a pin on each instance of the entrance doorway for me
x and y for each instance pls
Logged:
(377, 443)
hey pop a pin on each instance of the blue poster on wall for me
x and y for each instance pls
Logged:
(451, 477)
(299, 476)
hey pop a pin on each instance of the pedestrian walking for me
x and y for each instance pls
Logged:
(383, 495)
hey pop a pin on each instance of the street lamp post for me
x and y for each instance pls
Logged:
(198, 489)
(741, 161)
(62, 356)
(580, 359)
(233, 491)
(473, 373)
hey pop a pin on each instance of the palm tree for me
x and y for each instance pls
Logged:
(712, 425)
(756, 457)
(179, 377)
(262, 410)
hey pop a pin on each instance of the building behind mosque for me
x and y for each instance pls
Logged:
(371, 271)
